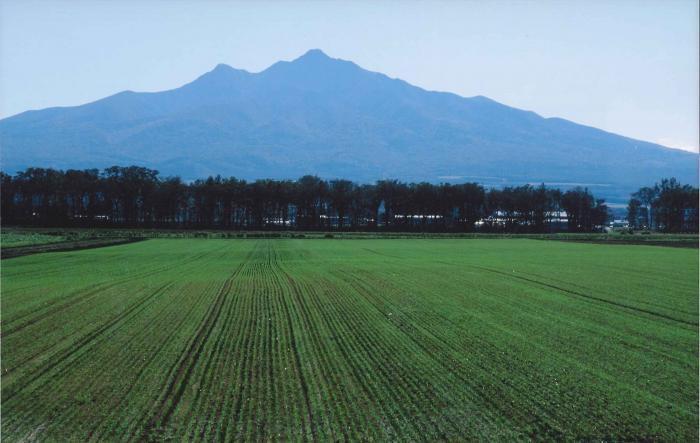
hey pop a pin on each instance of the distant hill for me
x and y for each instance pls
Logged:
(330, 117)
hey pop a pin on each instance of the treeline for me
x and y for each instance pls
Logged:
(667, 206)
(138, 197)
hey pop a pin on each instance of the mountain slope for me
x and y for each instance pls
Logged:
(330, 117)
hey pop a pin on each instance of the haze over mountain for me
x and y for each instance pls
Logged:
(324, 116)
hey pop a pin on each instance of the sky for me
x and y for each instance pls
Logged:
(629, 67)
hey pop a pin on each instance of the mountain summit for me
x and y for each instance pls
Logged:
(325, 116)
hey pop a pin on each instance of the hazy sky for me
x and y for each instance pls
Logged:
(629, 67)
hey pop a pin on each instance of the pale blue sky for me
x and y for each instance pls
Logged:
(629, 67)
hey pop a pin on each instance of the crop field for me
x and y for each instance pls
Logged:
(300, 339)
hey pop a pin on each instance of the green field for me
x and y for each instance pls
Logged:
(16, 238)
(299, 339)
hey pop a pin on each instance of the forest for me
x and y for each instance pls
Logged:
(136, 196)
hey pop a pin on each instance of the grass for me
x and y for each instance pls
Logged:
(81, 234)
(19, 238)
(370, 339)
(17, 242)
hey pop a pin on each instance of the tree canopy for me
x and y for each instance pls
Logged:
(135, 196)
(667, 206)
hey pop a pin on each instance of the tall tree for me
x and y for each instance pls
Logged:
(340, 193)
(647, 196)
(633, 212)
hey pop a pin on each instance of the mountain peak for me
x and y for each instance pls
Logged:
(314, 67)
(221, 74)
(222, 67)
(224, 70)
(314, 54)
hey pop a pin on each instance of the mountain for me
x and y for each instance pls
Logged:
(330, 117)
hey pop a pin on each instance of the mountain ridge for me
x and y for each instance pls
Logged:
(326, 116)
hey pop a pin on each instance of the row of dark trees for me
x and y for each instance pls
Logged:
(667, 206)
(138, 197)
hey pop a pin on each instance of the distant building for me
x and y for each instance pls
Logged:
(619, 223)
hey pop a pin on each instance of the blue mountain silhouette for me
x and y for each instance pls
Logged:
(325, 116)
